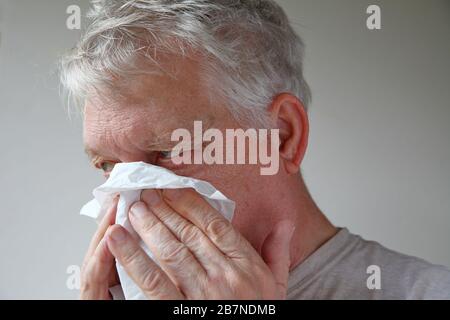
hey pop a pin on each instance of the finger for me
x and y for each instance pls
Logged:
(96, 274)
(174, 257)
(198, 243)
(218, 229)
(107, 220)
(276, 254)
(114, 279)
(154, 283)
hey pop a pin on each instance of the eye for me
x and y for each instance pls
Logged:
(107, 166)
(165, 154)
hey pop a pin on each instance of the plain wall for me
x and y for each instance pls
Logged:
(378, 161)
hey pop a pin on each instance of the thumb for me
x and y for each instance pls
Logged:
(276, 253)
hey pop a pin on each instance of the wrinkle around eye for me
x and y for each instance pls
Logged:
(169, 163)
(106, 166)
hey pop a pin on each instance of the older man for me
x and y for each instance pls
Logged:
(146, 68)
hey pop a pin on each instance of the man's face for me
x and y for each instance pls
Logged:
(138, 127)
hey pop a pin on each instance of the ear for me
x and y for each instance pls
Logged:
(290, 117)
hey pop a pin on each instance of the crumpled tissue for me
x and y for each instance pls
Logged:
(128, 180)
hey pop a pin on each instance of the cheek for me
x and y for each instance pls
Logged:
(237, 182)
(240, 183)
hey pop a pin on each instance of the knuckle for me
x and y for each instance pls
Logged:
(130, 256)
(188, 233)
(152, 281)
(163, 212)
(149, 225)
(218, 228)
(174, 253)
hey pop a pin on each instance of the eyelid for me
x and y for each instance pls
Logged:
(99, 164)
(107, 163)
(180, 152)
(166, 154)
(169, 160)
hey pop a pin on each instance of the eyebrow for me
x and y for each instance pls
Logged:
(92, 154)
(162, 141)
(150, 146)
(157, 144)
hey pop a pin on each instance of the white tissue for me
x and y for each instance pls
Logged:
(128, 180)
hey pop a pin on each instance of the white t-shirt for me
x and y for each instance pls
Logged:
(349, 267)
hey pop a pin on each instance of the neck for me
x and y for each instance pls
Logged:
(287, 199)
(312, 228)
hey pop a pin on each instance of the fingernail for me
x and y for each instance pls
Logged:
(151, 196)
(118, 234)
(139, 209)
(172, 194)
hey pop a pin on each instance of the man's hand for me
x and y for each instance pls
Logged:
(98, 272)
(201, 255)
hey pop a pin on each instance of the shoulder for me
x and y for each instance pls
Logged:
(402, 276)
(348, 266)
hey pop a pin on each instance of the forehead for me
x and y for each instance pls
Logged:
(168, 89)
(112, 128)
(148, 109)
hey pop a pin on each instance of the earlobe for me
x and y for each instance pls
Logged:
(291, 118)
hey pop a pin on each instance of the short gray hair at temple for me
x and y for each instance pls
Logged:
(249, 51)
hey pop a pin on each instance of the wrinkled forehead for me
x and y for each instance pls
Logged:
(118, 123)
(150, 107)
(177, 90)
(155, 115)
(121, 120)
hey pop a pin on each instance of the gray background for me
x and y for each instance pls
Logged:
(378, 162)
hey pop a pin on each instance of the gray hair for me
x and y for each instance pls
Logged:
(250, 53)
